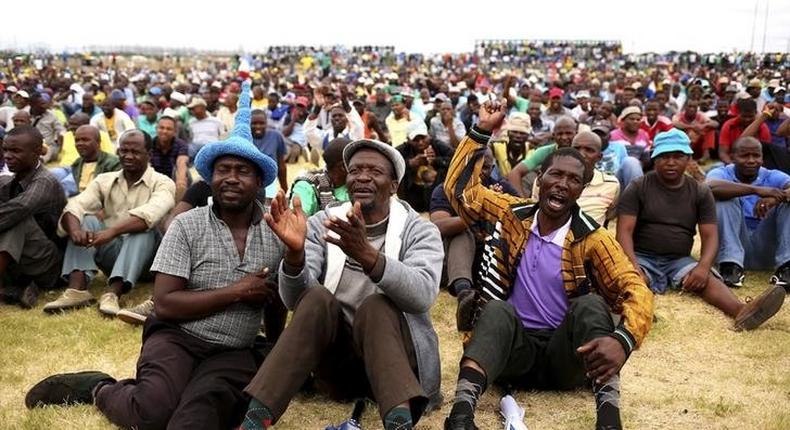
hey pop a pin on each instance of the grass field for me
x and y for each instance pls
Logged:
(693, 372)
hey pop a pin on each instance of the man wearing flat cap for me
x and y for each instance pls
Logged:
(361, 278)
(211, 285)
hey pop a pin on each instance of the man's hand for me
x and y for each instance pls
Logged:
(430, 155)
(79, 237)
(496, 187)
(766, 192)
(763, 206)
(100, 238)
(290, 225)
(603, 358)
(254, 289)
(491, 115)
(697, 279)
(418, 160)
(353, 238)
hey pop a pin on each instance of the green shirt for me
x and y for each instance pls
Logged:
(521, 104)
(310, 204)
(536, 158)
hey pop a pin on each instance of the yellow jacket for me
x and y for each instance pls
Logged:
(592, 261)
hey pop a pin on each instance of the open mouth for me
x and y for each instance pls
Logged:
(363, 193)
(556, 201)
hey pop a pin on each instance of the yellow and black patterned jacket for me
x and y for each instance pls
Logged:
(592, 261)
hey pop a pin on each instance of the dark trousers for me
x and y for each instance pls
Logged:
(542, 359)
(373, 357)
(182, 383)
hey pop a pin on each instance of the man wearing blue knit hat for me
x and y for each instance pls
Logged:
(658, 216)
(211, 287)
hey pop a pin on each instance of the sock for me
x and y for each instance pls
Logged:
(398, 418)
(471, 385)
(607, 402)
(460, 285)
(258, 416)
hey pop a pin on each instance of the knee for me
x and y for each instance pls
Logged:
(373, 308)
(318, 300)
(495, 312)
(588, 303)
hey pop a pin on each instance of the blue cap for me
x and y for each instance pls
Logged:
(673, 140)
(117, 95)
(239, 143)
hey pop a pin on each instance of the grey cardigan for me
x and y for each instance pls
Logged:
(411, 282)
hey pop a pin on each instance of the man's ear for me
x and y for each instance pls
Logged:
(539, 179)
(393, 187)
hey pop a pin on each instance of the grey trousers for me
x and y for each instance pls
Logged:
(125, 258)
(35, 256)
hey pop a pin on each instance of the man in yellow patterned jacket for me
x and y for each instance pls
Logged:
(549, 278)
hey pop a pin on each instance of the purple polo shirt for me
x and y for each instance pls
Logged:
(538, 294)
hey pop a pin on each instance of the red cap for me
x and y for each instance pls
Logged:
(556, 92)
(302, 101)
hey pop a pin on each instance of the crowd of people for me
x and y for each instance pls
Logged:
(548, 186)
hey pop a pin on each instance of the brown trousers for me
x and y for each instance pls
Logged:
(459, 252)
(373, 357)
(182, 383)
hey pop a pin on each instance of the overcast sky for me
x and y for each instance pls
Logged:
(410, 25)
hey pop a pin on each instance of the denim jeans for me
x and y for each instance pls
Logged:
(628, 171)
(764, 248)
(126, 257)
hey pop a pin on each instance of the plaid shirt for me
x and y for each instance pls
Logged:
(199, 247)
(39, 195)
(166, 163)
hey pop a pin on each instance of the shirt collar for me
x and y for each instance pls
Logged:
(557, 236)
(24, 183)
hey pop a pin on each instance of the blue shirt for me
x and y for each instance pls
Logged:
(612, 158)
(765, 178)
(539, 297)
(272, 143)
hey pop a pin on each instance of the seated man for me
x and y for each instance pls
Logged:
(562, 136)
(753, 208)
(551, 280)
(658, 215)
(599, 197)
(123, 244)
(92, 160)
(426, 166)
(319, 188)
(361, 278)
(700, 129)
(511, 153)
(460, 247)
(170, 155)
(31, 200)
(614, 156)
(198, 351)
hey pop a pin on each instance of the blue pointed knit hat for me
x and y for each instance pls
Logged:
(239, 143)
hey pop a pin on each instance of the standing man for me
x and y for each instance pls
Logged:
(361, 278)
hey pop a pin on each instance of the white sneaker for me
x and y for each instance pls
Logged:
(512, 414)
(108, 304)
(70, 299)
